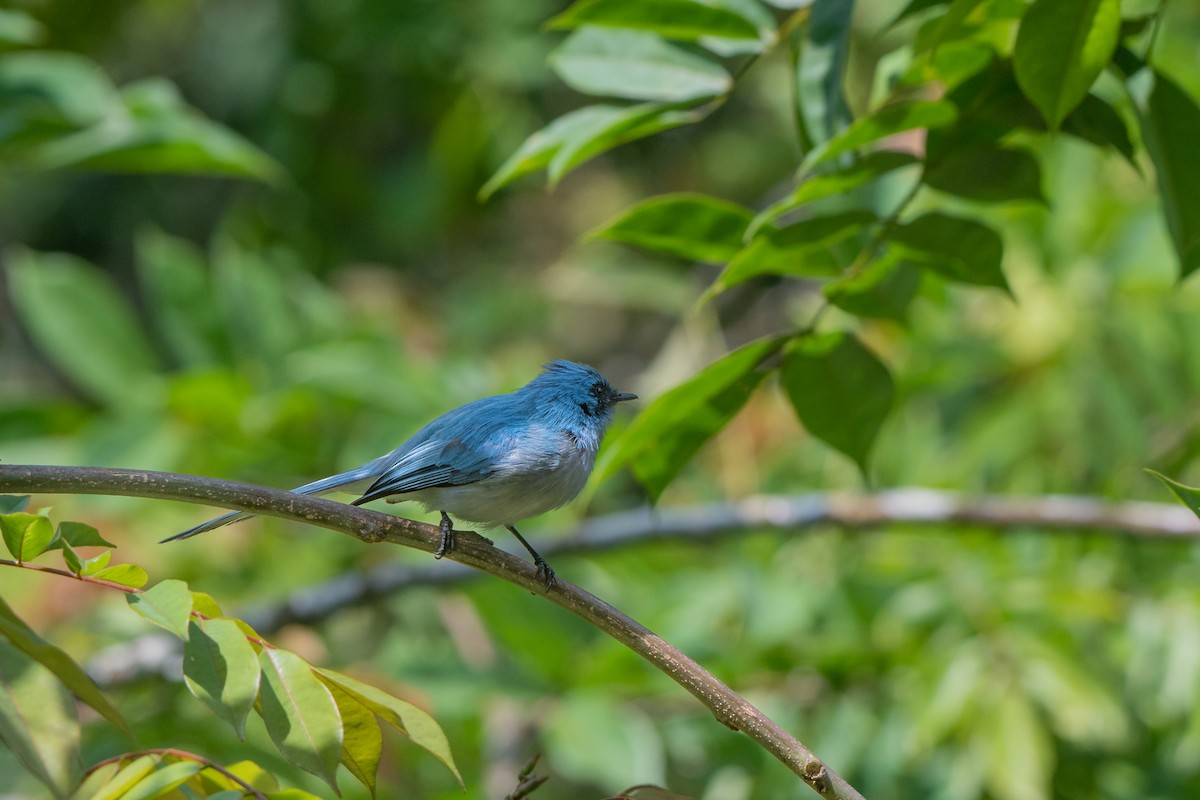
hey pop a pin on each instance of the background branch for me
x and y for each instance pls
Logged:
(792, 513)
(473, 550)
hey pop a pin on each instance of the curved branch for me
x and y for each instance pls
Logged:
(473, 550)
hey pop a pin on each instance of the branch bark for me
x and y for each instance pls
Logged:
(473, 550)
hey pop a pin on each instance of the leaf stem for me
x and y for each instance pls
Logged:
(68, 574)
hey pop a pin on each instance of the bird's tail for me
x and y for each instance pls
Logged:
(366, 472)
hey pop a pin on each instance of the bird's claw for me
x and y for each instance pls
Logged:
(447, 543)
(545, 573)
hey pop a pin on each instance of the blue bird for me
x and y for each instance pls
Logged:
(494, 461)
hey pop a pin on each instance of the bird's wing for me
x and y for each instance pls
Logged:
(464, 446)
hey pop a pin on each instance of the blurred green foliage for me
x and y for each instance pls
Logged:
(280, 330)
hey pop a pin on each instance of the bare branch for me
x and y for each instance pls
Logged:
(473, 550)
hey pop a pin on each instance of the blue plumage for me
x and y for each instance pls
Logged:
(495, 461)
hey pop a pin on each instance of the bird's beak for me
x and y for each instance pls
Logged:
(625, 396)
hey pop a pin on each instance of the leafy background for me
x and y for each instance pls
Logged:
(288, 301)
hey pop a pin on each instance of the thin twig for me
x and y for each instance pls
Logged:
(726, 705)
(5, 562)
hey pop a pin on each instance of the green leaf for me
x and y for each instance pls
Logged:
(130, 575)
(1095, 121)
(536, 151)
(753, 12)
(18, 28)
(1171, 130)
(1020, 751)
(820, 51)
(692, 226)
(960, 249)
(221, 669)
(670, 429)
(362, 741)
(76, 316)
(841, 392)
(887, 121)
(79, 534)
(804, 248)
(203, 603)
(47, 92)
(26, 536)
(1061, 48)
(587, 131)
(300, 714)
(1187, 495)
(160, 782)
(418, 725)
(247, 771)
(636, 65)
(839, 181)
(172, 274)
(61, 664)
(128, 777)
(913, 8)
(632, 122)
(84, 566)
(947, 29)
(11, 503)
(96, 779)
(687, 20)
(986, 173)
(156, 132)
(37, 721)
(884, 289)
(168, 604)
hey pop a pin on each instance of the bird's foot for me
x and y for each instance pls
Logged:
(447, 543)
(545, 572)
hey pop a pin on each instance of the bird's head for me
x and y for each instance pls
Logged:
(576, 391)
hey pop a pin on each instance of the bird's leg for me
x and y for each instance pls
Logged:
(447, 543)
(543, 569)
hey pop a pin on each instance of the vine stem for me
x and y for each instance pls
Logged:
(730, 708)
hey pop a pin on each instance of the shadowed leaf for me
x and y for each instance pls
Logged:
(841, 392)
(300, 714)
(37, 721)
(221, 669)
